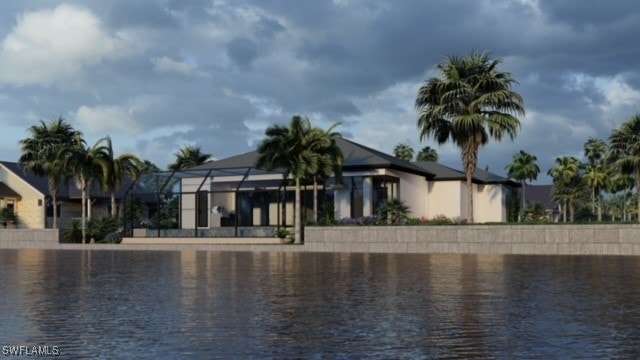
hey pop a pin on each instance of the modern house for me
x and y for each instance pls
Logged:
(29, 197)
(543, 196)
(232, 192)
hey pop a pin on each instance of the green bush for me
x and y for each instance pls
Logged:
(441, 220)
(393, 211)
(102, 229)
(73, 234)
(8, 217)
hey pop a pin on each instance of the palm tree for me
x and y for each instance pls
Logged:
(427, 154)
(625, 150)
(189, 156)
(116, 169)
(41, 154)
(300, 150)
(469, 104)
(403, 151)
(595, 150)
(620, 182)
(329, 163)
(566, 181)
(83, 165)
(393, 211)
(523, 168)
(596, 178)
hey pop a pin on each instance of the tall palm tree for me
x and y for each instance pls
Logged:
(403, 151)
(116, 169)
(523, 168)
(566, 181)
(83, 165)
(596, 178)
(41, 154)
(427, 154)
(329, 163)
(300, 151)
(470, 103)
(625, 148)
(620, 182)
(595, 150)
(189, 156)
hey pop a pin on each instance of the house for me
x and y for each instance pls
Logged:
(447, 193)
(232, 192)
(543, 196)
(29, 197)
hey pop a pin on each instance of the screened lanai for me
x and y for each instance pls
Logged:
(216, 201)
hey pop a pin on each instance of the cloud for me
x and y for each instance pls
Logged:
(106, 119)
(54, 46)
(165, 65)
(217, 73)
(243, 52)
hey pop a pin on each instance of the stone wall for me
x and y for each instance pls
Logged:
(27, 238)
(478, 239)
(243, 231)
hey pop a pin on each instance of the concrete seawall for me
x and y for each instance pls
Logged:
(479, 239)
(29, 237)
(471, 239)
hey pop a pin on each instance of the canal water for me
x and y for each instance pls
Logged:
(173, 305)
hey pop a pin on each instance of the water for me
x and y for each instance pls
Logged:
(130, 304)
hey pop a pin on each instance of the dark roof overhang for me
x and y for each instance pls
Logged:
(7, 192)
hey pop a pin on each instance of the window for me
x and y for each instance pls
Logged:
(384, 188)
(203, 208)
(50, 210)
(356, 184)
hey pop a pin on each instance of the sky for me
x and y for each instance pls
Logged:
(157, 75)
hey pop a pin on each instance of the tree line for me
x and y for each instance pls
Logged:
(611, 167)
(59, 152)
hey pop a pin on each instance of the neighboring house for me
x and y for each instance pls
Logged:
(543, 196)
(29, 196)
(232, 191)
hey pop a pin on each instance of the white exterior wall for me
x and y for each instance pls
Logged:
(30, 211)
(188, 201)
(490, 204)
(446, 198)
(414, 191)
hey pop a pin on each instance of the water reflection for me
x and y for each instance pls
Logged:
(295, 305)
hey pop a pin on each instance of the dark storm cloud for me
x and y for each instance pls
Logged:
(268, 28)
(213, 72)
(243, 52)
(581, 14)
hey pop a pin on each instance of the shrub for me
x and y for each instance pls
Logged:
(8, 217)
(418, 221)
(329, 214)
(283, 233)
(441, 220)
(363, 220)
(101, 229)
(393, 211)
(73, 234)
